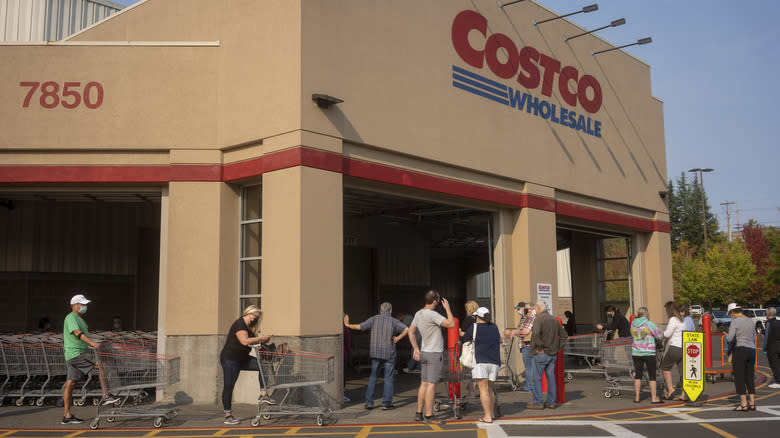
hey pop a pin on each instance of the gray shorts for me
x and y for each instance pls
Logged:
(79, 366)
(432, 364)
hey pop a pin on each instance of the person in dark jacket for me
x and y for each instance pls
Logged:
(619, 323)
(547, 339)
(487, 352)
(772, 344)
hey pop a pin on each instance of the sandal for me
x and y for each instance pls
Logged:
(751, 407)
(741, 408)
(482, 420)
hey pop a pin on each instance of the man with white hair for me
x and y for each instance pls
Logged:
(772, 345)
(547, 339)
(382, 350)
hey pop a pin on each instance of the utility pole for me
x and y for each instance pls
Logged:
(739, 227)
(728, 217)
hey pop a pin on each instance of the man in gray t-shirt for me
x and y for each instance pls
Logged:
(429, 322)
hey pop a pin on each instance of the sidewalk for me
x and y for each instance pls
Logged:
(584, 395)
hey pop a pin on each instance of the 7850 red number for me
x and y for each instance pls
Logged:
(71, 97)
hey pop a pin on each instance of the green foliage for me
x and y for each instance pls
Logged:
(723, 276)
(685, 214)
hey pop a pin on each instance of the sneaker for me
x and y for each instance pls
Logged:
(368, 407)
(347, 399)
(774, 385)
(533, 406)
(72, 420)
(428, 420)
(388, 407)
(550, 406)
(267, 400)
(405, 370)
(231, 420)
(418, 416)
(111, 399)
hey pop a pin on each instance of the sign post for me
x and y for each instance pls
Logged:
(693, 365)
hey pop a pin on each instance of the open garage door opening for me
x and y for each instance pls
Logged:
(594, 271)
(104, 244)
(396, 248)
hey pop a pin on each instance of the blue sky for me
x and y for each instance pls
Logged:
(714, 65)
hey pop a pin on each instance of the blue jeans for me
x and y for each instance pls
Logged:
(544, 364)
(230, 371)
(387, 393)
(529, 369)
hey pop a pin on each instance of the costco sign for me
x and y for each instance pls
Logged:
(530, 69)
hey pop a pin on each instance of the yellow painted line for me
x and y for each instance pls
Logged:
(482, 433)
(720, 432)
(8, 432)
(221, 432)
(293, 431)
(363, 432)
(153, 432)
(436, 428)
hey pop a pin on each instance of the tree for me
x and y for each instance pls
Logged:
(685, 203)
(723, 276)
(763, 288)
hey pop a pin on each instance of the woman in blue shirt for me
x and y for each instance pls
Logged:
(487, 352)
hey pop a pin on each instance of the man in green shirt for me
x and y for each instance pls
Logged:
(76, 344)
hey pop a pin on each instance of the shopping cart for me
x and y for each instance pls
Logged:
(126, 372)
(587, 349)
(456, 375)
(505, 372)
(290, 372)
(619, 367)
(14, 368)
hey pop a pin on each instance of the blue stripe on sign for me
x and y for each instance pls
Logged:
(457, 69)
(498, 93)
(479, 93)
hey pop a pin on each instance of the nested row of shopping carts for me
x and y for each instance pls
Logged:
(32, 366)
(33, 369)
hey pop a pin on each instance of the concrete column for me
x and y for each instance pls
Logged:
(200, 294)
(534, 250)
(652, 268)
(303, 261)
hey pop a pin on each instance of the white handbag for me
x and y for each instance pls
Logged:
(467, 353)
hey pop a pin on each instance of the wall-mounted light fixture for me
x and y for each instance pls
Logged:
(324, 101)
(615, 23)
(589, 8)
(637, 43)
(502, 4)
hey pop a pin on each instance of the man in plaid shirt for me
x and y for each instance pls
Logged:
(382, 351)
(528, 315)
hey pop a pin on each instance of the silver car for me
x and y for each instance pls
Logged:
(721, 319)
(758, 316)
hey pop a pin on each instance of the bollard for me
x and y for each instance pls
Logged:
(560, 380)
(707, 329)
(453, 364)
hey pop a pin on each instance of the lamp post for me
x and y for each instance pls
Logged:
(703, 213)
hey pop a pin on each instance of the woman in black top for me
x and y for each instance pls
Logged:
(235, 356)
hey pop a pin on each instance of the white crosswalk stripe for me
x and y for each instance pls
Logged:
(678, 415)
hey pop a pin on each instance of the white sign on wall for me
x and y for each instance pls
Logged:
(544, 293)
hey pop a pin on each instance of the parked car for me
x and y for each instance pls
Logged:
(758, 316)
(696, 310)
(721, 319)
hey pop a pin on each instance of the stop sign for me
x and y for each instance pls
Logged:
(692, 350)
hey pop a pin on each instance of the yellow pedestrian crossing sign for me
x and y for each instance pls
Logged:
(693, 365)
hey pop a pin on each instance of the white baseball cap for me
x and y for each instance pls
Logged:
(481, 312)
(79, 299)
(733, 306)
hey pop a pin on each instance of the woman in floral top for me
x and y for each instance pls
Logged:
(644, 334)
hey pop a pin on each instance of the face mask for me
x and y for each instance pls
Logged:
(83, 309)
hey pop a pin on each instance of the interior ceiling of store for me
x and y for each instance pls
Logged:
(138, 196)
(466, 227)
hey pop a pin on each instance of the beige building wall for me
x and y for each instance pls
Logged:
(206, 91)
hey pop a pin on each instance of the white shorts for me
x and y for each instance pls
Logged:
(485, 371)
